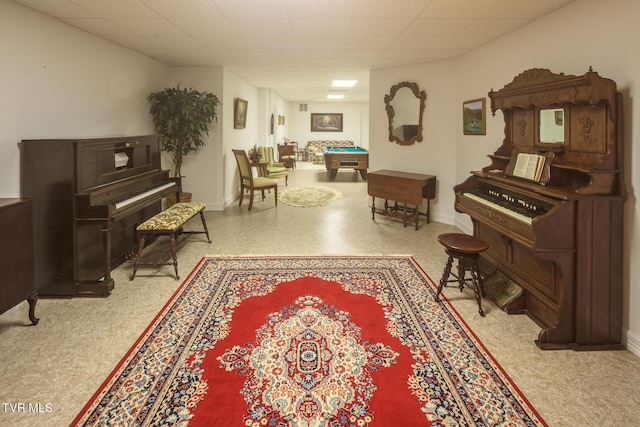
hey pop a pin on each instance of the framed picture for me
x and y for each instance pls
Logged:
(474, 117)
(326, 122)
(240, 114)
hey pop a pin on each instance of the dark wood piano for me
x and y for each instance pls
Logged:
(559, 236)
(89, 195)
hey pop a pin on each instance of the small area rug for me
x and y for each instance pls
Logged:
(309, 197)
(327, 341)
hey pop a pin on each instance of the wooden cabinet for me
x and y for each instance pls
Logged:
(17, 280)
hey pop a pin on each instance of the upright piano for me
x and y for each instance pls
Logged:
(89, 195)
(558, 233)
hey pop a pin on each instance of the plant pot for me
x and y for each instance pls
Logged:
(185, 197)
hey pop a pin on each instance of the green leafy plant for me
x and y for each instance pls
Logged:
(182, 117)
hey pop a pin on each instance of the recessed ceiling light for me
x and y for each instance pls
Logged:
(344, 83)
(335, 96)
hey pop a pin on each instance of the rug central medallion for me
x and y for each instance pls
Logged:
(308, 367)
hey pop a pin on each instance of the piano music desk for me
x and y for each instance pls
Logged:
(401, 187)
(169, 222)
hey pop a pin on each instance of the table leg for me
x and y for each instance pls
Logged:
(373, 207)
(404, 215)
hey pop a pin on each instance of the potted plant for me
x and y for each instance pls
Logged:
(181, 118)
(255, 154)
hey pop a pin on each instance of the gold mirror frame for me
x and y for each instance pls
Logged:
(420, 95)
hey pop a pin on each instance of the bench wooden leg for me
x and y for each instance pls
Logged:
(204, 225)
(138, 255)
(174, 254)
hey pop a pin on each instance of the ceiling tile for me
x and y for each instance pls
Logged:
(460, 9)
(385, 9)
(59, 9)
(117, 8)
(274, 43)
(97, 26)
(191, 9)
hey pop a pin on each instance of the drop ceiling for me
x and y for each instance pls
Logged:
(297, 47)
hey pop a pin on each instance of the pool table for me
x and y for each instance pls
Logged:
(346, 158)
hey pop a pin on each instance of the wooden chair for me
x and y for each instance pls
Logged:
(249, 183)
(287, 155)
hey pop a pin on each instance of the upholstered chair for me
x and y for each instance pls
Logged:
(249, 183)
(274, 170)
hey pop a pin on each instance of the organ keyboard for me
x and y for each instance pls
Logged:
(524, 215)
(89, 196)
(560, 239)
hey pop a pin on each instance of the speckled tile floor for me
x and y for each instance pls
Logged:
(57, 365)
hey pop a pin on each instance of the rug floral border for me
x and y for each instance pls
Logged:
(456, 380)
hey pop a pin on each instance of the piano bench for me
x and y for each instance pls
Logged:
(169, 222)
(466, 249)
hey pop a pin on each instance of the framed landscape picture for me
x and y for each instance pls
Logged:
(240, 114)
(326, 122)
(474, 117)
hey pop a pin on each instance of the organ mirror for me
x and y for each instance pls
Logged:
(405, 107)
(551, 126)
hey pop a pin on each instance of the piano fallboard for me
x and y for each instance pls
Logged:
(114, 201)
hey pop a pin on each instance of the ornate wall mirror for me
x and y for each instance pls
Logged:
(405, 106)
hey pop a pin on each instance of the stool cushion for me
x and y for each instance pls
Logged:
(172, 218)
(463, 242)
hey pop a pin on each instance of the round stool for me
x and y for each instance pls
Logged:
(466, 249)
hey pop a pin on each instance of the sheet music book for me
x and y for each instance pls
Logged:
(529, 166)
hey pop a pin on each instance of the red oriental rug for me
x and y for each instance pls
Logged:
(310, 342)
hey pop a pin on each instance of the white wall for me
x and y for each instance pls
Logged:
(275, 106)
(60, 82)
(353, 114)
(435, 155)
(203, 172)
(243, 139)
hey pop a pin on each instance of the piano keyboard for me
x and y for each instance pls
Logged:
(502, 209)
(143, 195)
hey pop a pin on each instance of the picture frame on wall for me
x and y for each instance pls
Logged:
(326, 122)
(240, 113)
(474, 117)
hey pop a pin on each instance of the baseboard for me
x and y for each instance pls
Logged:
(632, 342)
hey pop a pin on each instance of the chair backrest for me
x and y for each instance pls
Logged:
(286, 150)
(267, 155)
(244, 167)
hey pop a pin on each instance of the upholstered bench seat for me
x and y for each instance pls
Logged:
(169, 222)
(172, 218)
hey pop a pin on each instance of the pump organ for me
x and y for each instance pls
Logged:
(560, 238)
